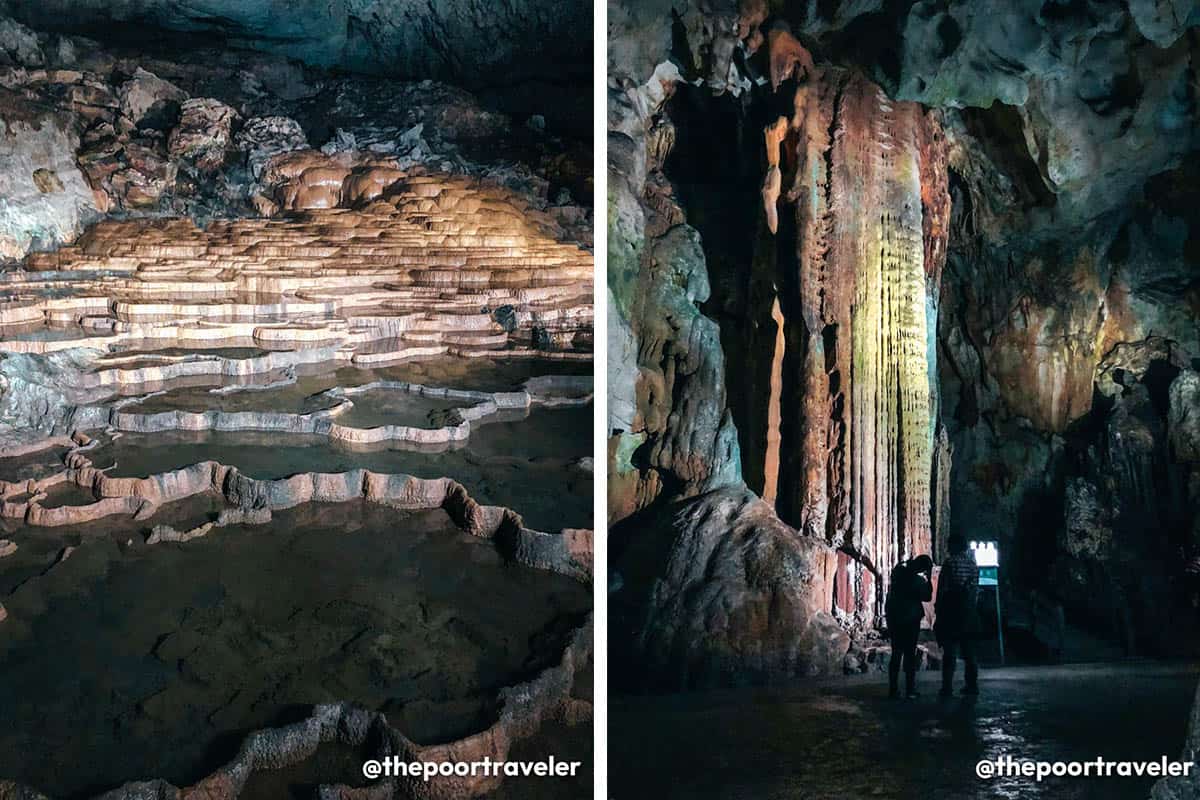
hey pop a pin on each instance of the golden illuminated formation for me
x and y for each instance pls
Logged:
(869, 187)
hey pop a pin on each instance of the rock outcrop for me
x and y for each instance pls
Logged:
(719, 592)
(89, 132)
(46, 199)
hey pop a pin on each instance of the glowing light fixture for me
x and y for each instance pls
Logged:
(987, 554)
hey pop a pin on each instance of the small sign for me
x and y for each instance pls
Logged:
(989, 576)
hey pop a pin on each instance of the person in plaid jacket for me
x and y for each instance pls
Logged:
(956, 622)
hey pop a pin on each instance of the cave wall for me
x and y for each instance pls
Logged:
(1054, 218)
(849, 344)
(467, 42)
(173, 128)
(713, 589)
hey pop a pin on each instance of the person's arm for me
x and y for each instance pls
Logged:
(925, 591)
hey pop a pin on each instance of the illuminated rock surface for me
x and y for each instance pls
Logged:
(903, 271)
(295, 423)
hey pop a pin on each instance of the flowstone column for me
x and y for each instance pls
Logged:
(870, 192)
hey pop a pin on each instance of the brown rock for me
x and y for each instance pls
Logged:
(789, 58)
(204, 133)
(46, 181)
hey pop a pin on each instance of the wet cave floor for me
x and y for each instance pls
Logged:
(845, 739)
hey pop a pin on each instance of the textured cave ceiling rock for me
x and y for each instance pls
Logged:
(711, 35)
(117, 131)
(1164, 21)
(470, 42)
(971, 54)
(1094, 151)
(1101, 107)
(1105, 95)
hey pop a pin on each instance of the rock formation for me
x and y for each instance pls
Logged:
(94, 132)
(942, 263)
(298, 288)
(870, 202)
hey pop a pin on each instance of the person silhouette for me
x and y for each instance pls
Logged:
(908, 589)
(955, 624)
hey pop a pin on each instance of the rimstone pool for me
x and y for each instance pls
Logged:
(190, 646)
(261, 523)
(230, 568)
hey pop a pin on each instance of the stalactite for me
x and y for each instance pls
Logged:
(773, 181)
(871, 208)
(771, 459)
(789, 58)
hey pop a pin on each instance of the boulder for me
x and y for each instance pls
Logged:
(262, 138)
(204, 134)
(149, 101)
(719, 592)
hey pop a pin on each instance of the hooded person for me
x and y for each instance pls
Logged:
(908, 590)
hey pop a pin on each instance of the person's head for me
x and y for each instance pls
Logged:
(922, 563)
(956, 544)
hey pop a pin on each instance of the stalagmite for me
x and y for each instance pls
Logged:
(771, 459)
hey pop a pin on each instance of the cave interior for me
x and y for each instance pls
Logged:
(295, 395)
(950, 251)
